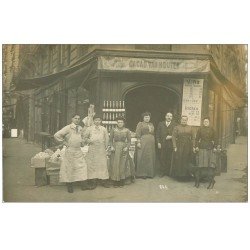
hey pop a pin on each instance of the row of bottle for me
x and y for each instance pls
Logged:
(112, 116)
(113, 106)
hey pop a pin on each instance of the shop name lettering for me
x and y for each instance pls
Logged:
(164, 65)
(154, 64)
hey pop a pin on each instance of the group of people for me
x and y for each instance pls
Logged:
(94, 168)
(176, 144)
(179, 145)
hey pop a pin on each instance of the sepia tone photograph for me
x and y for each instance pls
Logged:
(125, 123)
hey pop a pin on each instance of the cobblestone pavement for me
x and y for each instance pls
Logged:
(18, 182)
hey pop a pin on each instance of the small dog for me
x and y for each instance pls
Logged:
(203, 173)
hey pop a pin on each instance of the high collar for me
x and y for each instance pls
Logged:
(206, 127)
(73, 125)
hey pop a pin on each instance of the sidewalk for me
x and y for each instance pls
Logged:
(19, 186)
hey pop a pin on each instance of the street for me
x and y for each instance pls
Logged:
(18, 182)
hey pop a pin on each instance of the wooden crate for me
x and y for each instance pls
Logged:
(53, 176)
(41, 178)
(52, 165)
(38, 163)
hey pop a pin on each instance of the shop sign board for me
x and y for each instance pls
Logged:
(114, 63)
(192, 100)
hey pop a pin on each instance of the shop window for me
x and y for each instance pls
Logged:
(44, 115)
(211, 107)
(52, 58)
(66, 54)
(162, 47)
(71, 105)
(73, 52)
(83, 49)
(82, 101)
(78, 102)
(46, 62)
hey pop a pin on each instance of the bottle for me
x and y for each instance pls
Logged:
(116, 108)
(104, 106)
(110, 105)
(123, 106)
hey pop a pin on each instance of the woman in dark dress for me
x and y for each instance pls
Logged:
(206, 143)
(122, 166)
(146, 148)
(183, 142)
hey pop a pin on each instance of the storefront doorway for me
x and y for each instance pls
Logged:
(156, 99)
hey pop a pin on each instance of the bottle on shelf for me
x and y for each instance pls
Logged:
(113, 106)
(116, 106)
(104, 106)
(110, 106)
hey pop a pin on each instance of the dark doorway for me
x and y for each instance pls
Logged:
(155, 99)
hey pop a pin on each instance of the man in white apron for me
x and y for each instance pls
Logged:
(73, 165)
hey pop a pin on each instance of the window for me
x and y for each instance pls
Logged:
(211, 107)
(162, 47)
(83, 49)
(66, 54)
(73, 52)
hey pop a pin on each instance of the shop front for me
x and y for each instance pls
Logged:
(129, 83)
(157, 85)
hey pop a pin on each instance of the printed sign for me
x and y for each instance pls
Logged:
(192, 100)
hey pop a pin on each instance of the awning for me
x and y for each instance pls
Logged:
(37, 82)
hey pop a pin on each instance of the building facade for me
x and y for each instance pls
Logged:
(10, 70)
(56, 81)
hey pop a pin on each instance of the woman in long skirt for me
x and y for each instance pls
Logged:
(73, 165)
(183, 143)
(206, 143)
(122, 166)
(146, 148)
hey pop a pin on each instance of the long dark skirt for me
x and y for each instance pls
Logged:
(182, 158)
(146, 157)
(122, 166)
(206, 158)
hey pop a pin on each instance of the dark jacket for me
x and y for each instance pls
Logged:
(206, 138)
(163, 131)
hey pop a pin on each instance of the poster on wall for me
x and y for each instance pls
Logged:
(192, 100)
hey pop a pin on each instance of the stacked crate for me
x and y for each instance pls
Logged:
(53, 171)
(39, 165)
